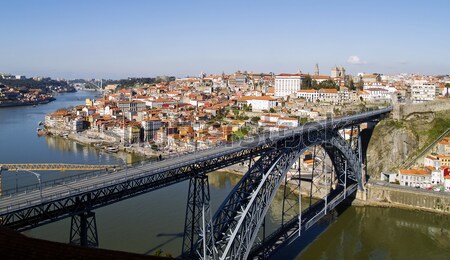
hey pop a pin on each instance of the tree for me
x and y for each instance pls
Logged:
(349, 83)
(328, 84)
(272, 110)
(306, 82)
(255, 119)
(309, 83)
(360, 85)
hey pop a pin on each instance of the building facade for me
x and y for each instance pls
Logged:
(424, 92)
(286, 84)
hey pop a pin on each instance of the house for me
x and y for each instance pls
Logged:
(447, 183)
(77, 124)
(415, 178)
(444, 160)
(437, 176)
(130, 106)
(424, 92)
(332, 96)
(389, 177)
(290, 122)
(431, 161)
(443, 146)
(150, 127)
(378, 94)
(159, 102)
(258, 103)
(310, 95)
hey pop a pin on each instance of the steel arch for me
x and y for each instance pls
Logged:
(244, 216)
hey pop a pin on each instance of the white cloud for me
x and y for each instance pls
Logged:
(355, 60)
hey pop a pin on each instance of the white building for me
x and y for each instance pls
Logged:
(324, 95)
(431, 161)
(286, 84)
(424, 92)
(437, 176)
(275, 122)
(447, 183)
(415, 178)
(290, 122)
(378, 94)
(259, 103)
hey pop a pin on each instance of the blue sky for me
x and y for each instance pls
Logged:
(116, 39)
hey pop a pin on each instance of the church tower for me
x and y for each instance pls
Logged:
(317, 70)
(335, 72)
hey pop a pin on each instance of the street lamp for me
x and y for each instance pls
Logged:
(38, 176)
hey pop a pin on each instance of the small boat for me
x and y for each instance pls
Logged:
(40, 132)
(112, 149)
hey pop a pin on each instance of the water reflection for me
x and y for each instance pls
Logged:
(383, 233)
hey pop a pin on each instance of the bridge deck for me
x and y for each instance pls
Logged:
(54, 167)
(28, 198)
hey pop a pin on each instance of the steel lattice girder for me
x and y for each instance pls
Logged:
(47, 212)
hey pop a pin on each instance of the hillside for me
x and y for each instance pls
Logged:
(394, 141)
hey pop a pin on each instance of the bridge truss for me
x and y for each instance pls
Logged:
(236, 224)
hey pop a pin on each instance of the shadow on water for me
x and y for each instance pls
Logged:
(173, 237)
(292, 250)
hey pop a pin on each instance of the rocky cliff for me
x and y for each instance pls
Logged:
(394, 141)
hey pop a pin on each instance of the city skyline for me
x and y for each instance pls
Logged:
(115, 39)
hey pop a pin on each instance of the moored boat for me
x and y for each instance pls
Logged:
(112, 149)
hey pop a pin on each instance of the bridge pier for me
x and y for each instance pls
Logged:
(197, 227)
(83, 230)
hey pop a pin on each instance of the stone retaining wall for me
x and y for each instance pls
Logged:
(402, 111)
(382, 193)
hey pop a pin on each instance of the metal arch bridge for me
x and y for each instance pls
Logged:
(54, 167)
(231, 233)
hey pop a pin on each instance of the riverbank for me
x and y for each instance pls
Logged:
(100, 141)
(379, 194)
(18, 103)
(382, 194)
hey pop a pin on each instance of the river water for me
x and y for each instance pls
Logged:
(155, 220)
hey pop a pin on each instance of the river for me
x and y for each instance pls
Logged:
(155, 220)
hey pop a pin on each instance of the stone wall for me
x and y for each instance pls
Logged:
(403, 111)
(385, 194)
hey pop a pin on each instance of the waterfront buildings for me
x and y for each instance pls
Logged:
(420, 178)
